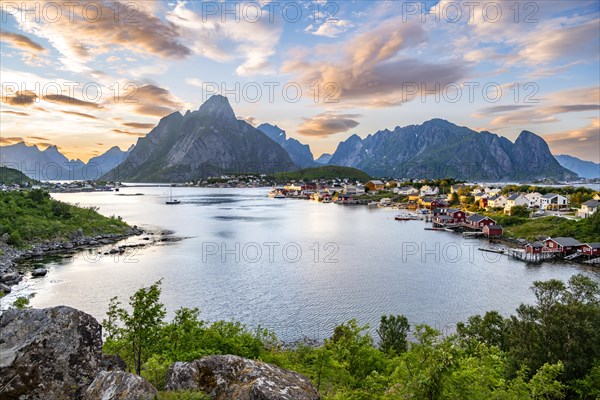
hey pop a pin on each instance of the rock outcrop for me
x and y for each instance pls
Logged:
(48, 354)
(119, 385)
(236, 378)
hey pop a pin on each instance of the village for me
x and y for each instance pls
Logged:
(473, 210)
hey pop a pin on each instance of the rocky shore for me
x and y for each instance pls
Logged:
(56, 353)
(10, 257)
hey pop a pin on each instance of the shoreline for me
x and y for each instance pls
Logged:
(11, 257)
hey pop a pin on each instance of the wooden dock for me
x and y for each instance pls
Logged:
(522, 255)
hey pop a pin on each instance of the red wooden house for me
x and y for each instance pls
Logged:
(458, 215)
(477, 221)
(534, 248)
(564, 245)
(493, 230)
(591, 249)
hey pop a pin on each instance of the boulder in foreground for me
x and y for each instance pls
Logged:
(119, 385)
(236, 378)
(48, 354)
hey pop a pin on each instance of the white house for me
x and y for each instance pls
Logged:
(492, 191)
(516, 199)
(588, 208)
(406, 191)
(354, 190)
(553, 200)
(498, 201)
(429, 191)
(534, 199)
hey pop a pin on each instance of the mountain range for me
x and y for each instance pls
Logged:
(585, 169)
(211, 141)
(51, 164)
(207, 142)
(438, 149)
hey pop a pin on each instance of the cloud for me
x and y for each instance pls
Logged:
(71, 101)
(373, 68)
(78, 114)
(250, 120)
(327, 124)
(18, 113)
(195, 82)
(152, 100)
(128, 132)
(240, 37)
(138, 125)
(21, 42)
(38, 138)
(547, 110)
(583, 142)
(104, 27)
(330, 29)
(6, 141)
(20, 98)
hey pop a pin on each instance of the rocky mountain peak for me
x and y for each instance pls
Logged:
(218, 106)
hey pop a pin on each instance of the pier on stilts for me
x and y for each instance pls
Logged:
(521, 254)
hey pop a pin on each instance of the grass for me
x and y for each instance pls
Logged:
(32, 216)
(586, 230)
(326, 172)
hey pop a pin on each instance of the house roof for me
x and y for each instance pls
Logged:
(549, 196)
(376, 182)
(595, 245)
(452, 210)
(494, 226)
(493, 197)
(444, 217)
(477, 218)
(536, 245)
(514, 196)
(591, 203)
(566, 241)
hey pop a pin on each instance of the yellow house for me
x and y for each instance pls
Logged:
(374, 186)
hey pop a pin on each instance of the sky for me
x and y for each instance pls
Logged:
(89, 75)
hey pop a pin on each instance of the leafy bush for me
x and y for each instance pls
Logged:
(548, 350)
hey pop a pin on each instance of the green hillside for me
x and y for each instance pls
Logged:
(9, 176)
(326, 172)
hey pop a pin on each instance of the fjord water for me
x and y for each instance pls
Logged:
(254, 259)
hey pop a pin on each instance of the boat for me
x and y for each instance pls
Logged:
(279, 196)
(373, 204)
(498, 250)
(406, 217)
(434, 229)
(171, 200)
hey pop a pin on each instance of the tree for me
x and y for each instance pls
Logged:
(392, 333)
(519, 211)
(136, 332)
(454, 199)
(490, 329)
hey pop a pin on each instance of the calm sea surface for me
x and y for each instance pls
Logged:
(297, 267)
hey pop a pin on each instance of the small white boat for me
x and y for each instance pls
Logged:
(373, 204)
(171, 200)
